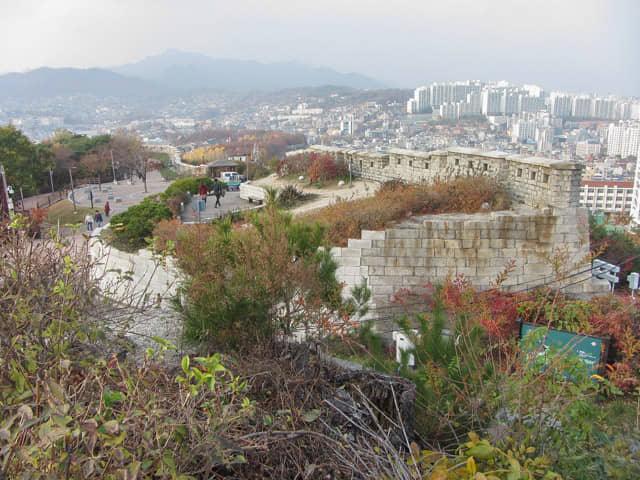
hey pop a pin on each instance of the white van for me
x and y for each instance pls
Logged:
(232, 179)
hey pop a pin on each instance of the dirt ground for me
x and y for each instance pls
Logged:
(324, 196)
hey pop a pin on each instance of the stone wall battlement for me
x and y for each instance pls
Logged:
(534, 181)
(546, 220)
(429, 249)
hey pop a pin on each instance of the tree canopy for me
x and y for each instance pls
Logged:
(25, 163)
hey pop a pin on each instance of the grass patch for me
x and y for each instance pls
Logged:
(62, 212)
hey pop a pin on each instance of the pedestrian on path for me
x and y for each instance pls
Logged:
(217, 191)
(98, 218)
(107, 209)
(203, 190)
(88, 220)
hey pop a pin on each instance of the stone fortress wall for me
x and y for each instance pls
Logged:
(545, 221)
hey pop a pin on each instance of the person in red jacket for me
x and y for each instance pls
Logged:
(107, 209)
(203, 190)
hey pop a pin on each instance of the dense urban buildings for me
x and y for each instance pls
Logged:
(601, 132)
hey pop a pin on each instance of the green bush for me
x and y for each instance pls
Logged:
(131, 228)
(69, 410)
(522, 397)
(179, 188)
(248, 285)
(289, 196)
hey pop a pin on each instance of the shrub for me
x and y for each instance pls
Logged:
(132, 228)
(179, 188)
(294, 165)
(324, 168)
(250, 284)
(289, 196)
(528, 396)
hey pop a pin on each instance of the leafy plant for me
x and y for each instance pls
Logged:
(69, 412)
(132, 228)
(250, 284)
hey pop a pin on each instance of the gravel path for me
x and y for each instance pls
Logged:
(324, 196)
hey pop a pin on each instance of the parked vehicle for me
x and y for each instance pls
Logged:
(232, 179)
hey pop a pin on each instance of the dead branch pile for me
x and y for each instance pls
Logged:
(316, 420)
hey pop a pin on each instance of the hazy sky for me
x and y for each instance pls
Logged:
(587, 46)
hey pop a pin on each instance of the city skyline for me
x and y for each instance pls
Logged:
(577, 46)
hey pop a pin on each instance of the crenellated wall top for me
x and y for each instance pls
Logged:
(535, 181)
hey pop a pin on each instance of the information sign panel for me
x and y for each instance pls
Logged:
(591, 350)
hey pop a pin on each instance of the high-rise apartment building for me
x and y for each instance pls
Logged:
(623, 139)
(604, 108)
(560, 104)
(523, 130)
(450, 111)
(635, 204)
(582, 107)
(531, 104)
(422, 97)
(544, 139)
(491, 102)
(510, 102)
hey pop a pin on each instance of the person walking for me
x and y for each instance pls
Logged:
(107, 209)
(203, 190)
(217, 191)
(88, 220)
(98, 218)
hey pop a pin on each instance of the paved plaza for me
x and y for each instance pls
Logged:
(126, 193)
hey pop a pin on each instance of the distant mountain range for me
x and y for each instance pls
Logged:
(50, 82)
(175, 71)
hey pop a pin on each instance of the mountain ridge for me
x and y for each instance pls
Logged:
(174, 72)
(51, 82)
(178, 69)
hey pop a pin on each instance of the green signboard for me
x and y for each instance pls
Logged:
(591, 350)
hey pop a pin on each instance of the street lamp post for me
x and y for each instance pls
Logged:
(73, 196)
(21, 199)
(113, 168)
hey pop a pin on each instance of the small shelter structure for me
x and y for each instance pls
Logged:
(219, 166)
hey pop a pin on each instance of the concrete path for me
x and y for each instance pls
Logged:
(231, 202)
(121, 195)
(125, 194)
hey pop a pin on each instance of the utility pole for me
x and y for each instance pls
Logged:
(73, 195)
(113, 168)
(4, 195)
(144, 175)
(21, 199)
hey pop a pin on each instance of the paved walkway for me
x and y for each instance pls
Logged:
(231, 202)
(121, 195)
(124, 194)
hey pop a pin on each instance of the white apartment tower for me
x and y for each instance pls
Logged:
(604, 108)
(582, 107)
(412, 106)
(623, 139)
(544, 139)
(523, 130)
(635, 203)
(422, 96)
(491, 102)
(560, 104)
